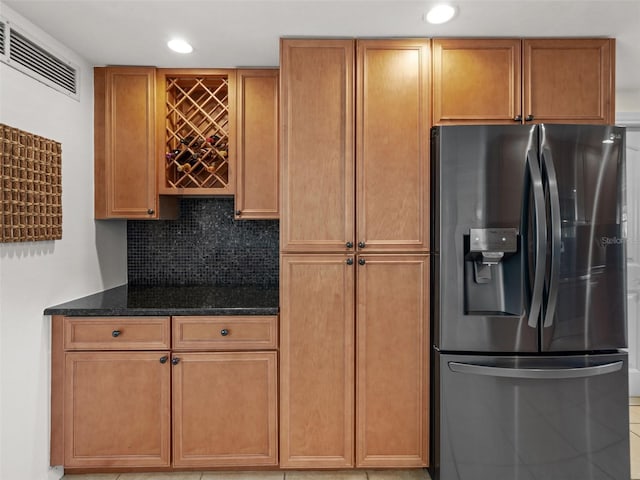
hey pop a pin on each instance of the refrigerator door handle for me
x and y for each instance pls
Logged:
(556, 226)
(535, 373)
(541, 237)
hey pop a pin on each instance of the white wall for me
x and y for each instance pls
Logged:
(90, 257)
(633, 256)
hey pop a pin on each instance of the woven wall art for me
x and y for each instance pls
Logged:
(31, 187)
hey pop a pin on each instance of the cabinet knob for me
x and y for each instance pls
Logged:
(362, 261)
(164, 359)
(175, 361)
(517, 118)
(151, 211)
(349, 244)
(361, 244)
(529, 118)
(116, 333)
(224, 332)
(238, 212)
(349, 261)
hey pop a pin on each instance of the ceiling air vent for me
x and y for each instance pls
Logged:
(37, 62)
(2, 27)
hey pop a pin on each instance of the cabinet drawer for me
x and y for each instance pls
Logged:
(225, 333)
(116, 333)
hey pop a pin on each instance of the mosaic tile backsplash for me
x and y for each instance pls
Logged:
(204, 246)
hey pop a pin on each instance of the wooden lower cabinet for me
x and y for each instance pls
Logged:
(316, 361)
(337, 338)
(392, 361)
(171, 407)
(117, 409)
(225, 409)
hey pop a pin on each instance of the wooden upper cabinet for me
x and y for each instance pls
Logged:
(476, 81)
(569, 80)
(257, 149)
(392, 146)
(317, 361)
(317, 144)
(125, 159)
(481, 81)
(392, 393)
(196, 131)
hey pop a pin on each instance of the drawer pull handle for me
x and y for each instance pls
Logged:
(164, 359)
(224, 332)
(115, 333)
(175, 361)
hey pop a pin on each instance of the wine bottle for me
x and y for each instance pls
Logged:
(191, 142)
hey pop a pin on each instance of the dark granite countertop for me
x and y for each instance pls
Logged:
(129, 300)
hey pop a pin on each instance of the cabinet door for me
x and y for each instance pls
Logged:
(225, 409)
(476, 81)
(392, 148)
(316, 361)
(317, 145)
(117, 409)
(257, 144)
(569, 80)
(125, 166)
(392, 393)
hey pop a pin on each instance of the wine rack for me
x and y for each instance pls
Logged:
(198, 126)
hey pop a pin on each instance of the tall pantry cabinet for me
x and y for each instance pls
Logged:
(354, 242)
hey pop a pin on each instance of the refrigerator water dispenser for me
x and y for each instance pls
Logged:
(492, 272)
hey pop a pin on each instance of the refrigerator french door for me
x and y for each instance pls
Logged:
(529, 301)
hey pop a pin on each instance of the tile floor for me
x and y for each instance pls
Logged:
(634, 436)
(634, 426)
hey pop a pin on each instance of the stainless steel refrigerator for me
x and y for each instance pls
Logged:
(529, 303)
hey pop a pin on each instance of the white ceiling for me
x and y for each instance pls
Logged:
(233, 33)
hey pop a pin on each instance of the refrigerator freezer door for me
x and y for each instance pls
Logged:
(531, 418)
(583, 166)
(486, 182)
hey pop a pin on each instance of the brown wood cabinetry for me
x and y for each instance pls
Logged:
(117, 409)
(124, 144)
(160, 133)
(392, 359)
(225, 402)
(121, 398)
(224, 409)
(317, 361)
(392, 147)
(110, 408)
(317, 145)
(391, 353)
(485, 81)
(337, 203)
(254, 332)
(196, 121)
(569, 80)
(476, 80)
(257, 144)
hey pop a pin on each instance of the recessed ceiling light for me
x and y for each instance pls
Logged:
(440, 13)
(179, 45)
